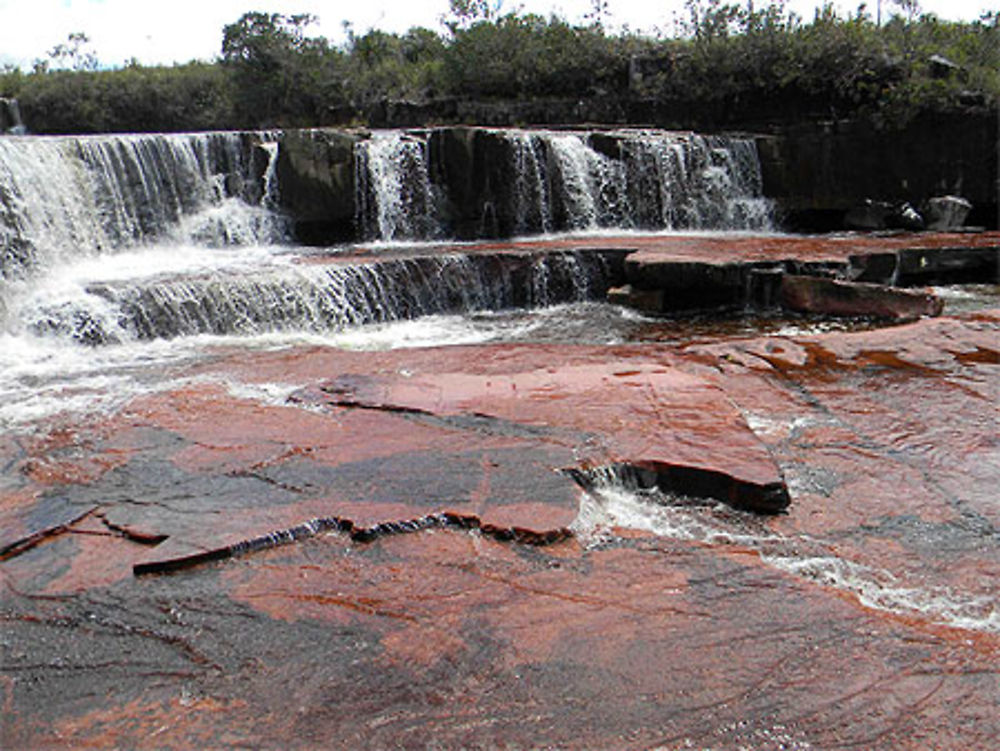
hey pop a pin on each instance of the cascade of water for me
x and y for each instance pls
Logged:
(396, 200)
(314, 298)
(269, 199)
(10, 117)
(591, 185)
(533, 208)
(64, 198)
(682, 180)
(649, 180)
(623, 498)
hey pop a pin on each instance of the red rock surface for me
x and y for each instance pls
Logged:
(727, 248)
(815, 295)
(865, 617)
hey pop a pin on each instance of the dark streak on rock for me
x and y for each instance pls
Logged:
(319, 525)
(693, 482)
(24, 544)
(339, 400)
(133, 535)
(250, 474)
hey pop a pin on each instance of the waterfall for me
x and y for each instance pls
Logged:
(654, 180)
(532, 202)
(622, 179)
(66, 197)
(546, 181)
(10, 117)
(311, 297)
(395, 196)
(132, 237)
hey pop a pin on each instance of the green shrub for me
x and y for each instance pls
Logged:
(728, 64)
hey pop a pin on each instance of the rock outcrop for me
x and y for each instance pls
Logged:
(818, 296)
(687, 274)
(316, 176)
(818, 171)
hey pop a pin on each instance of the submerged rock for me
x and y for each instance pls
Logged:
(807, 294)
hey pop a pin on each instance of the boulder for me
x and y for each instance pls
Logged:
(807, 294)
(945, 213)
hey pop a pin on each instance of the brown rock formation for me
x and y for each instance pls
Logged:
(806, 294)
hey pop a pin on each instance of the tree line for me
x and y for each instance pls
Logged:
(725, 64)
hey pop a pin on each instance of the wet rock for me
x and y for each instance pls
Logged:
(690, 274)
(840, 298)
(686, 285)
(945, 213)
(645, 300)
(642, 415)
(316, 174)
(868, 216)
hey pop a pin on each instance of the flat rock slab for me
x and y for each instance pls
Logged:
(721, 249)
(815, 295)
(866, 616)
(630, 408)
(816, 249)
(490, 433)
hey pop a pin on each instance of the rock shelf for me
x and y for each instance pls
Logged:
(411, 550)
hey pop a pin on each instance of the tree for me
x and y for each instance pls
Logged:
(278, 69)
(72, 53)
(464, 13)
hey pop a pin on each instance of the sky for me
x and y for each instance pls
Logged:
(161, 31)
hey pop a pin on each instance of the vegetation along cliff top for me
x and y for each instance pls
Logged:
(723, 66)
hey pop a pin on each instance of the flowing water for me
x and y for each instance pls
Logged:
(125, 260)
(614, 502)
(117, 250)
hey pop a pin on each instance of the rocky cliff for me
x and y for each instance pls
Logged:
(817, 171)
(474, 182)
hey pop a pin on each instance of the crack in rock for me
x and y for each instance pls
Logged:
(357, 533)
(26, 543)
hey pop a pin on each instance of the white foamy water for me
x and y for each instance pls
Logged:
(609, 504)
(45, 377)
(544, 182)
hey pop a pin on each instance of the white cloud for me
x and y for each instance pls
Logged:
(180, 30)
